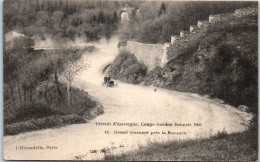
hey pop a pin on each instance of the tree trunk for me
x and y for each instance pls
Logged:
(30, 94)
(12, 93)
(68, 92)
(46, 93)
(19, 92)
(24, 95)
(57, 83)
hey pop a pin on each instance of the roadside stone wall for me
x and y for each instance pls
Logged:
(151, 55)
(246, 11)
(202, 24)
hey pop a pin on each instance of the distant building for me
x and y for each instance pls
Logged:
(13, 35)
(10, 37)
(124, 16)
(127, 12)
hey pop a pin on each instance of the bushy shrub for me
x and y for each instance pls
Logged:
(45, 122)
(221, 134)
(72, 119)
(125, 67)
(29, 111)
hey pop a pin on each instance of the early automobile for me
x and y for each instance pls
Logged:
(108, 82)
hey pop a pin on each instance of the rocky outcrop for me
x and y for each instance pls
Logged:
(127, 69)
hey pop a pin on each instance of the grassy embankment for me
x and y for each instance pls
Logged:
(236, 147)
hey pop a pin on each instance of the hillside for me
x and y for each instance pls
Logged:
(219, 60)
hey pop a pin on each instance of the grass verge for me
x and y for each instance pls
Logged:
(221, 147)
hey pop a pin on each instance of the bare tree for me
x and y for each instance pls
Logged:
(72, 69)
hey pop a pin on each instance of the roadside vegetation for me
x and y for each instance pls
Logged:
(221, 147)
(126, 68)
(35, 93)
(158, 20)
(220, 60)
(150, 21)
(61, 19)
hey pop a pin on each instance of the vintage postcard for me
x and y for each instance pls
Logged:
(130, 80)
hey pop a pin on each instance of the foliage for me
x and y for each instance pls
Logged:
(162, 9)
(220, 61)
(32, 87)
(40, 114)
(101, 17)
(42, 123)
(94, 19)
(114, 17)
(73, 68)
(126, 67)
(221, 134)
(151, 28)
(61, 19)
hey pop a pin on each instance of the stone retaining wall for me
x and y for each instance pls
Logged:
(151, 55)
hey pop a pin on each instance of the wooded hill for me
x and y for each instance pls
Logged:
(220, 60)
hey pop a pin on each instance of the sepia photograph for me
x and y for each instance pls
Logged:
(130, 80)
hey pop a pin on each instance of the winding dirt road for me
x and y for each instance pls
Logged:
(126, 104)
